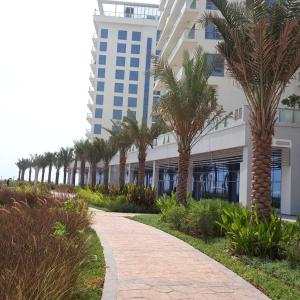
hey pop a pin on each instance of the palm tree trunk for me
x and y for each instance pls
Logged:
(23, 174)
(57, 177)
(106, 175)
(261, 173)
(94, 174)
(122, 168)
(19, 176)
(29, 179)
(141, 172)
(65, 174)
(82, 172)
(74, 171)
(183, 173)
(49, 173)
(43, 174)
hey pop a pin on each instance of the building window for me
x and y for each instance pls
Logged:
(99, 99)
(97, 128)
(118, 101)
(218, 63)
(211, 32)
(121, 48)
(115, 128)
(120, 61)
(134, 75)
(132, 89)
(119, 87)
(135, 49)
(155, 100)
(100, 86)
(103, 46)
(210, 5)
(102, 60)
(98, 113)
(120, 74)
(104, 33)
(158, 34)
(122, 35)
(132, 102)
(136, 36)
(131, 114)
(117, 114)
(101, 73)
(134, 62)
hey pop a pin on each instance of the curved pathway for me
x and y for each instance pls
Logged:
(146, 263)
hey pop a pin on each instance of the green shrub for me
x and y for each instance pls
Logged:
(177, 216)
(293, 254)
(88, 195)
(250, 236)
(141, 196)
(165, 203)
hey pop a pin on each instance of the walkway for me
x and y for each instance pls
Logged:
(145, 263)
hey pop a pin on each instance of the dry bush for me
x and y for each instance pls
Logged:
(43, 246)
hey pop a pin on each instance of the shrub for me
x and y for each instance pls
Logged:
(90, 196)
(141, 196)
(177, 216)
(165, 203)
(65, 188)
(293, 254)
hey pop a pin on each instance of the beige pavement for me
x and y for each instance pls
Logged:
(146, 263)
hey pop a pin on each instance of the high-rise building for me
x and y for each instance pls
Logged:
(121, 83)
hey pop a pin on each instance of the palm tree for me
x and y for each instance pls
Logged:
(122, 140)
(80, 149)
(19, 165)
(36, 163)
(188, 107)
(30, 168)
(58, 163)
(261, 44)
(143, 137)
(49, 158)
(43, 165)
(94, 154)
(67, 158)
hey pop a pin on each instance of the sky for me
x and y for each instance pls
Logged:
(45, 54)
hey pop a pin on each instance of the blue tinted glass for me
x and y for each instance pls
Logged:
(117, 114)
(97, 128)
(99, 99)
(120, 61)
(119, 87)
(98, 112)
(210, 5)
(218, 62)
(104, 33)
(100, 86)
(134, 62)
(118, 101)
(115, 128)
(132, 102)
(211, 32)
(158, 34)
(101, 73)
(102, 60)
(122, 35)
(135, 49)
(136, 36)
(120, 74)
(132, 89)
(121, 48)
(131, 114)
(103, 46)
(134, 75)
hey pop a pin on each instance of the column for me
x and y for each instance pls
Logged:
(245, 177)
(155, 175)
(190, 179)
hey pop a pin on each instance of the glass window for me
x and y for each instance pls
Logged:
(122, 35)
(118, 101)
(117, 114)
(99, 99)
(158, 34)
(98, 113)
(136, 36)
(120, 74)
(218, 62)
(121, 48)
(134, 62)
(115, 128)
(210, 5)
(211, 32)
(134, 75)
(131, 114)
(102, 60)
(119, 87)
(101, 73)
(97, 128)
(135, 49)
(103, 46)
(100, 86)
(132, 102)
(104, 33)
(120, 61)
(132, 89)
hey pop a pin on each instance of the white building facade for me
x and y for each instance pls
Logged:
(121, 83)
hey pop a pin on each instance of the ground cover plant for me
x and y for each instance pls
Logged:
(46, 242)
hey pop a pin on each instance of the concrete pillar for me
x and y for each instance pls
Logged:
(130, 174)
(190, 179)
(245, 177)
(110, 175)
(155, 175)
(286, 188)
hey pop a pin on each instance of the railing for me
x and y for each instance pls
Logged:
(286, 115)
(93, 62)
(91, 89)
(127, 15)
(89, 115)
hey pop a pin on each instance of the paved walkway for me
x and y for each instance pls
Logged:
(146, 263)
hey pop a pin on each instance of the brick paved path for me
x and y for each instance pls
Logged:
(146, 263)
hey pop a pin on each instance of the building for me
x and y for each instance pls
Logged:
(121, 83)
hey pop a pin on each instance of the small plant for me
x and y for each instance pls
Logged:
(59, 229)
(177, 216)
(165, 203)
(141, 196)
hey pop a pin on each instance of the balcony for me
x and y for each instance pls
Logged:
(89, 118)
(88, 134)
(188, 40)
(92, 79)
(91, 92)
(93, 66)
(286, 115)
(90, 105)
(95, 39)
(94, 52)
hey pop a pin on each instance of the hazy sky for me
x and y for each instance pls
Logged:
(45, 52)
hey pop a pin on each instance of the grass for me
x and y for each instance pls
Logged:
(274, 278)
(91, 278)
